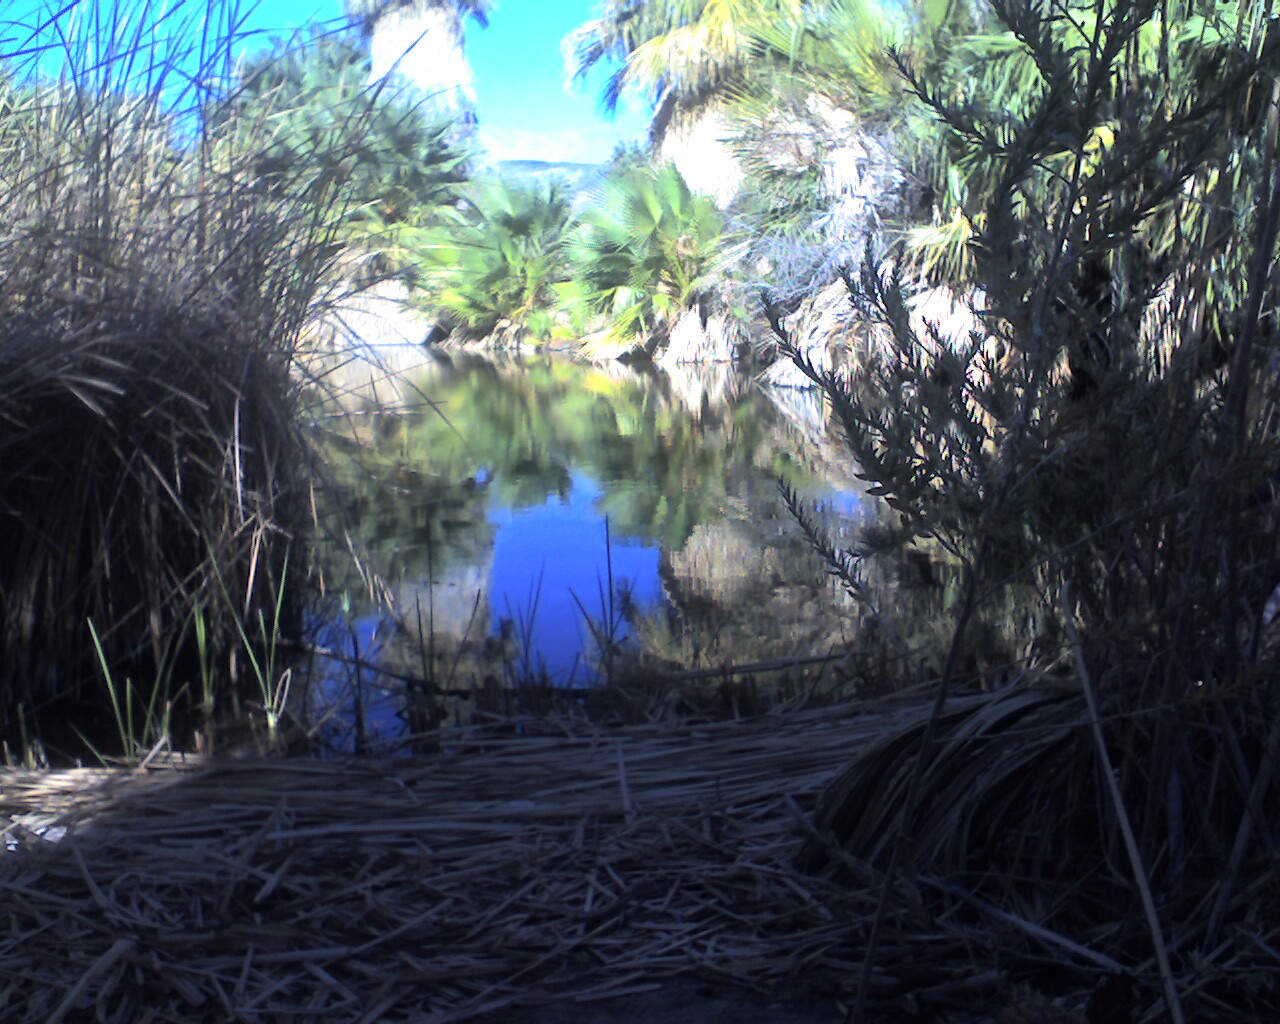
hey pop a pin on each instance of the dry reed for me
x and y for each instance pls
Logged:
(570, 864)
(152, 300)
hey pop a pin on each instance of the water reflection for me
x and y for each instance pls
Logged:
(556, 585)
(351, 700)
(483, 503)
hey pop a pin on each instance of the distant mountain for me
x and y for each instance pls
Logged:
(581, 178)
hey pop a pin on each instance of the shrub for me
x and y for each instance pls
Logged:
(1116, 465)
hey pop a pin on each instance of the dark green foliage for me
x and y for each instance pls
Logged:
(1106, 447)
(646, 252)
(312, 112)
(1086, 265)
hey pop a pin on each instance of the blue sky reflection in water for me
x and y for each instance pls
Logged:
(542, 557)
(483, 503)
(545, 557)
(341, 686)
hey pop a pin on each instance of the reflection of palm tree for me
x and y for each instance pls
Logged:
(663, 471)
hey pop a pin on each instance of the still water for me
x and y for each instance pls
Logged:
(538, 519)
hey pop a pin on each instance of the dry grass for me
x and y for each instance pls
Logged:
(1025, 819)
(573, 864)
(154, 295)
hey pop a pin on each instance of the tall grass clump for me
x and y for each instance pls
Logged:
(1104, 447)
(154, 298)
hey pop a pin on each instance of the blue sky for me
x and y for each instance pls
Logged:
(524, 105)
(525, 108)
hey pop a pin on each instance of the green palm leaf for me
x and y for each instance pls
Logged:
(495, 262)
(646, 253)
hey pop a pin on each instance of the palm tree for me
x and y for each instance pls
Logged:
(676, 54)
(493, 264)
(647, 253)
(366, 13)
(421, 45)
(311, 107)
(812, 123)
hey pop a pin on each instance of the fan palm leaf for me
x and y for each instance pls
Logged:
(680, 51)
(495, 261)
(648, 251)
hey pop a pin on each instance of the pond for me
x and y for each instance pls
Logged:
(543, 521)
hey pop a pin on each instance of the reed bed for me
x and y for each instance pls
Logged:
(155, 295)
(567, 864)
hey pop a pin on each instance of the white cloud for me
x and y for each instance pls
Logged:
(590, 144)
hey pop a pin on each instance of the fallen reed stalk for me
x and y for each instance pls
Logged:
(507, 869)
(570, 863)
